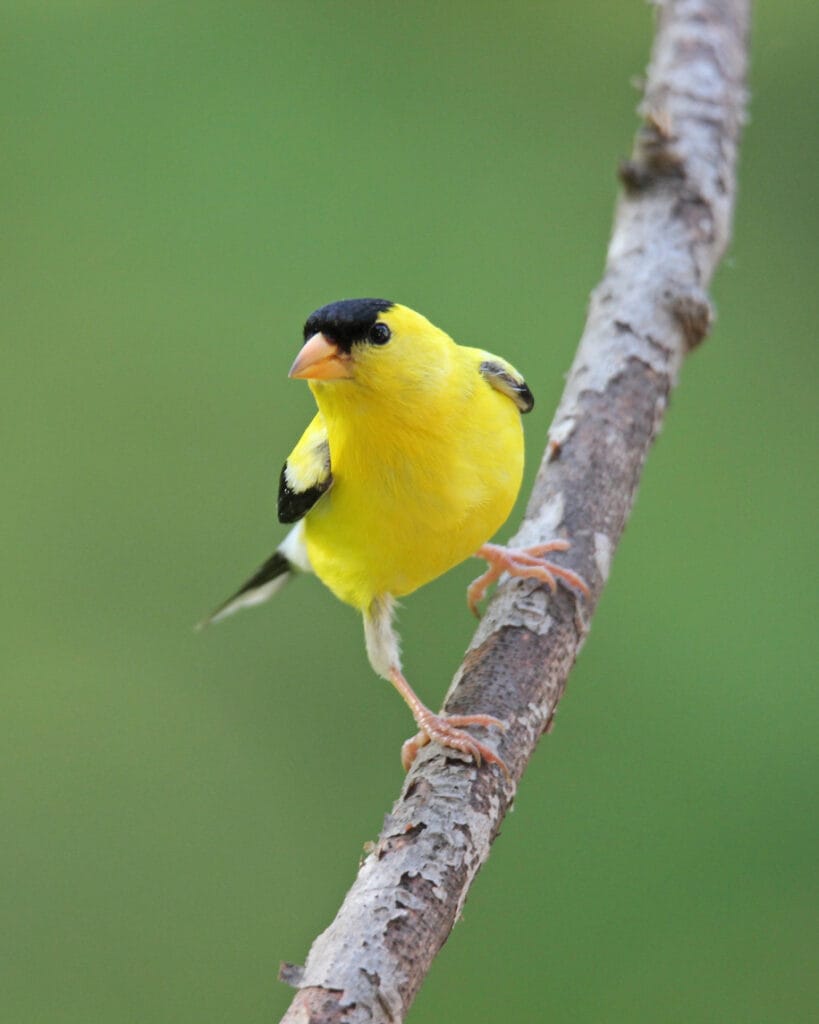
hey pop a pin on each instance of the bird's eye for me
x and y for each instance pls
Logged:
(379, 334)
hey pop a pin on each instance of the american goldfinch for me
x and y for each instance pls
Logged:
(413, 460)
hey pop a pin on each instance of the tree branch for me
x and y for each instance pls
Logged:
(672, 225)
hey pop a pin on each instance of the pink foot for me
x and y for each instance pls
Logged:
(446, 730)
(526, 563)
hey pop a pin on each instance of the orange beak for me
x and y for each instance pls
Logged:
(321, 359)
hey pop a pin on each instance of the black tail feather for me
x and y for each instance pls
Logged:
(257, 589)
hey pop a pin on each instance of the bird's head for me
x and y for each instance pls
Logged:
(377, 344)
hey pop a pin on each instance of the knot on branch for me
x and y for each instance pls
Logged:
(655, 158)
(291, 974)
(694, 313)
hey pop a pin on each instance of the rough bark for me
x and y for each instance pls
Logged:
(671, 226)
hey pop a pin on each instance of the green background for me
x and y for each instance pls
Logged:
(182, 183)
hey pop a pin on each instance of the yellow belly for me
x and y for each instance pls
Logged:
(406, 504)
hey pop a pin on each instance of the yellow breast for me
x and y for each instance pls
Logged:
(420, 481)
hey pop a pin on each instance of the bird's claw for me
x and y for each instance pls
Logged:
(449, 732)
(524, 563)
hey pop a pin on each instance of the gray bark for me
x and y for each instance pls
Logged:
(672, 224)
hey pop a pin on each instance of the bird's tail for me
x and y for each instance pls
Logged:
(261, 586)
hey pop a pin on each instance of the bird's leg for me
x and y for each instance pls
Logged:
(448, 730)
(526, 563)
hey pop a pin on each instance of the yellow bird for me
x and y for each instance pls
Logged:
(412, 462)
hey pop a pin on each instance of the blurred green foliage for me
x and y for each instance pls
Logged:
(182, 183)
